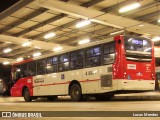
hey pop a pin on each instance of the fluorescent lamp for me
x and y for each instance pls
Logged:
(7, 50)
(26, 44)
(129, 7)
(5, 63)
(57, 49)
(49, 35)
(84, 41)
(83, 23)
(37, 47)
(8, 42)
(37, 54)
(20, 59)
(156, 39)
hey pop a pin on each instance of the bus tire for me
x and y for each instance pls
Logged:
(26, 95)
(76, 92)
(51, 98)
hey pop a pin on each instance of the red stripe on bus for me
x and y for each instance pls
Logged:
(65, 83)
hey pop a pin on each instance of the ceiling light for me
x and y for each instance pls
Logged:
(129, 7)
(83, 23)
(49, 35)
(5, 63)
(20, 59)
(8, 42)
(7, 50)
(141, 25)
(57, 49)
(37, 47)
(26, 44)
(37, 54)
(156, 39)
(84, 41)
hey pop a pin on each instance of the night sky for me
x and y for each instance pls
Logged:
(4, 4)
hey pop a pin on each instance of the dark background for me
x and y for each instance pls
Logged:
(4, 4)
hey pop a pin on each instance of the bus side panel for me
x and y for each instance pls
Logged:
(17, 88)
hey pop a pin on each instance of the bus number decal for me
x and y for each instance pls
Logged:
(90, 73)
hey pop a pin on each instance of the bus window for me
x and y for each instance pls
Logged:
(52, 64)
(93, 56)
(109, 53)
(63, 62)
(41, 66)
(76, 60)
(16, 73)
(24, 70)
(32, 68)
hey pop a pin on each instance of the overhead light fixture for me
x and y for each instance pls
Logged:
(83, 23)
(8, 42)
(20, 59)
(57, 49)
(26, 44)
(37, 47)
(7, 50)
(129, 7)
(156, 39)
(5, 63)
(37, 54)
(49, 35)
(84, 41)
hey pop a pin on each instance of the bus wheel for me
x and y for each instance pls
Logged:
(51, 98)
(75, 92)
(26, 95)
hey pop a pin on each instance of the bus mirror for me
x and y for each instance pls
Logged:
(119, 41)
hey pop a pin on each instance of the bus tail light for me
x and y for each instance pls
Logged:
(153, 77)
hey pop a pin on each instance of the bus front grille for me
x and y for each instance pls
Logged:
(106, 81)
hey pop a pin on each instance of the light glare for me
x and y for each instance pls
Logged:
(7, 50)
(49, 35)
(156, 39)
(20, 59)
(37, 54)
(5, 63)
(83, 23)
(129, 7)
(57, 49)
(26, 44)
(84, 41)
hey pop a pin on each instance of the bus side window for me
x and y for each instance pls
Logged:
(64, 62)
(24, 70)
(52, 64)
(93, 56)
(76, 60)
(16, 73)
(109, 53)
(41, 67)
(32, 68)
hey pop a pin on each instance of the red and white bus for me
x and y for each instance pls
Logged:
(100, 69)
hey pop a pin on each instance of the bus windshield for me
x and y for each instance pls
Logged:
(137, 45)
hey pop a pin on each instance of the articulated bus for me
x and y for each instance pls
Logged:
(101, 69)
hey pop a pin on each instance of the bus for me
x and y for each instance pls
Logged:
(101, 69)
